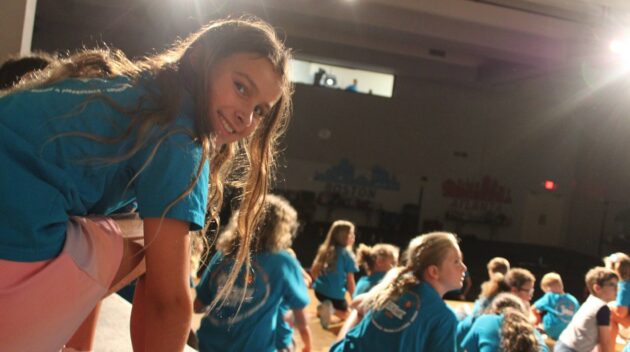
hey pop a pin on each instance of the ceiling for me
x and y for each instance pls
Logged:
(456, 40)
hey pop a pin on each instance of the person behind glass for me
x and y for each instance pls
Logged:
(504, 326)
(620, 263)
(156, 131)
(317, 78)
(247, 319)
(353, 87)
(590, 326)
(405, 311)
(333, 272)
(555, 308)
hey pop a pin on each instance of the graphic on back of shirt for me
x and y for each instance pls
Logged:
(565, 309)
(242, 301)
(397, 314)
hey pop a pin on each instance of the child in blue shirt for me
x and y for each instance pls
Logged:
(504, 327)
(497, 269)
(555, 308)
(247, 319)
(95, 132)
(376, 261)
(284, 330)
(405, 312)
(333, 272)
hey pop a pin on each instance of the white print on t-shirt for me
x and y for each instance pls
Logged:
(114, 89)
(243, 300)
(394, 309)
(396, 315)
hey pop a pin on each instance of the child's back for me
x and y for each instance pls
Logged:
(557, 309)
(366, 282)
(419, 320)
(332, 283)
(251, 326)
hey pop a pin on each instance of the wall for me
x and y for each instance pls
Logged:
(519, 133)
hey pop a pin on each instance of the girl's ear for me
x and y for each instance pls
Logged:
(597, 289)
(432, 272)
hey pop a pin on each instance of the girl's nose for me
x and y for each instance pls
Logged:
(245, 117)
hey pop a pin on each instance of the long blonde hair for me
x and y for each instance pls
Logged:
(424, 251)
(275, 231)
(337, 236)
(248, 164)
(517, 333)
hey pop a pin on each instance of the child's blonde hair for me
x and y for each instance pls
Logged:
(367, 256)
(550, 279)
(429, 249)
(248, 164)
(337, 236)
(275, 231)
(498, 265)
(599, 276)
(517, 333)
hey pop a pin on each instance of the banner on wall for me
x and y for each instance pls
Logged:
(477, 201)
(345, 184)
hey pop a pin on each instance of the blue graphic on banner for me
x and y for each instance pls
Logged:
(344, 173)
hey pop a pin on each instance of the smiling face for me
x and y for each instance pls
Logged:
(243, 89)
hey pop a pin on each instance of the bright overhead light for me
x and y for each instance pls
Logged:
(618, 46)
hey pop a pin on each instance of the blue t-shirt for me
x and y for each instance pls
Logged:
(558, 310)
(250, 326)
(284, 331)
(333, 283)
(418, 320)
(366, 282)
(623, 294)
(48, 176)
(485, 335)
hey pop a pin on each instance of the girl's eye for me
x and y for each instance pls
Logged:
(260, 112)
(240, 87)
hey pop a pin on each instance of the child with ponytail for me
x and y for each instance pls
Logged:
(333, 272)
(405, 312)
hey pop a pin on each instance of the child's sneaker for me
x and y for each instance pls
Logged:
(325, 312)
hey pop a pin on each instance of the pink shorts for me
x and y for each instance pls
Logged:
(43, 303)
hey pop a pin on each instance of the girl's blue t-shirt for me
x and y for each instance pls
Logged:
(284, 331)
(49, 175)
(485, 335)
(366, 283)
(333, 283)
(418, 320)
(623, 293)
(249, 324)
(559, 309)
